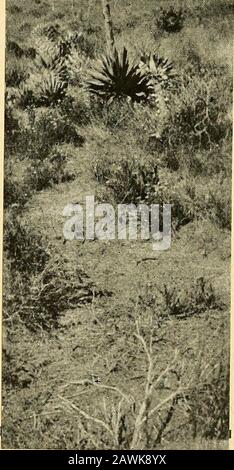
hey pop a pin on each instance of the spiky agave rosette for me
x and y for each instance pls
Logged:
(160, 70)
(58, 63)
(163, 79)
(115, 76)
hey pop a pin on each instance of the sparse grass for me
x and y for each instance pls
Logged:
(56, 289)
(197, 298)
(40, 284)
(129, 179)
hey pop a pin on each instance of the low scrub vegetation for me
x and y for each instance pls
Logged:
(170, 20)
(147, 120)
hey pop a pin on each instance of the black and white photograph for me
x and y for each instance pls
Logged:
(117, 226)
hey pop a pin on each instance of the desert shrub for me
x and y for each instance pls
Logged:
(51, 31)
(210, 162)
(116, 115)
(39, 299)
(21, 52)
(89, 43)
(38, 142)
(219, 207)
(50, 170)
(213, 201)
(15, 9)
(16, 191)
(178, 191)
(183, 301)
(192, 198)
(146, 125)
(206, 10)
(131, 179)
(218, 160)
(198, 114)
(16, 72)
(92, 40)
(12, 124)
(138, 178)
(23, 245)
(170, 20)
(14, 48)
(191, 127)
(39, 285)
(44, 128)
(59, 287)
(54, 127)
(77, 106)
(209, 403)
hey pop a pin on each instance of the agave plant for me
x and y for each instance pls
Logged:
(59, 56)
(171, 20)
(25, 95)
(15, 49)
(116, 77)
(76, 64)
(42, 89)
(160, 70)
(69, 42)
(51, 89)
(50, 31)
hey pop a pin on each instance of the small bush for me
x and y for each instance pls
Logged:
(39, 285)
(171, 20)
(16, 192)
(198, 114)
(116, 115)
(138, 178)
(15, 49)
(213, 201)
(38, 300)
(77, 106)
(51, 170)
(92, 38)
(15, 9)
(12, 125)
(58, 288)
(24, 246)
(43, 129)
(131, 179)
(16, 72)
(185, 301)
(178, 191)
(209, 404)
